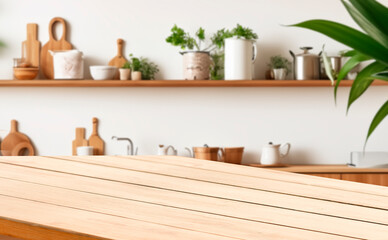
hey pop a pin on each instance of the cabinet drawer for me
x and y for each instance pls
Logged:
(371, 178)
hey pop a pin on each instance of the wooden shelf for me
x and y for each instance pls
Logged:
(176, 83)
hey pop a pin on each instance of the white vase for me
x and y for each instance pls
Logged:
(279, 73)
(240, 56)
(125, 73)
(136, 75)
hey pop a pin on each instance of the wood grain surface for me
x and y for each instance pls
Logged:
(46, 60)
(160, 197)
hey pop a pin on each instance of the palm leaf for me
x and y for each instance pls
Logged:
(348, 36)
(361, 16)
(380, 115)
(375, 12)
(381, 75)
(348, 66)
(363, 80)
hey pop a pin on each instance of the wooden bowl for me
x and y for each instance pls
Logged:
(26, 73)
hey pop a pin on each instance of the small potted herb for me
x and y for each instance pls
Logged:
(142, 68)
(280, 67)
(196, 60)
(125, 71)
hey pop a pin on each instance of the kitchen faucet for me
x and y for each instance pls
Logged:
(129, 146)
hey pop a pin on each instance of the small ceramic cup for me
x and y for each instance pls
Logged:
(125, 73)
(85, 151)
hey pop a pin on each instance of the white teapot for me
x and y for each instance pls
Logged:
(272, 155)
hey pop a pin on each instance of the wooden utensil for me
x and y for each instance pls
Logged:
(95, 141)
(31, 47)
(46, 60)
(79, 139)
(15, 141)
(119, 60)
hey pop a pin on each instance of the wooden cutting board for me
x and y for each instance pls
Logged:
(79, 140)
(95, 141)
(119, 60)
(15, 141)
(46, 60)
(31, 47)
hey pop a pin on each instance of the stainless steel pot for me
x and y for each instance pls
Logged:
(306, 65)
(335, 62)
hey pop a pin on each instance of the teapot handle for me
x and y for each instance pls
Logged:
(221, 155)
(254, 52)
(287, 151)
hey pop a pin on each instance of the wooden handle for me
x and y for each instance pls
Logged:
(14, 126)
(80, 133)
(120, 43)
(95, 122)
(32, 31)
(63, 22)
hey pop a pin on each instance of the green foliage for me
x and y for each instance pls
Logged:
(242, 32)
(216, 69)
(372, 44)
(279, 62)
(183, 39)
(147, 68)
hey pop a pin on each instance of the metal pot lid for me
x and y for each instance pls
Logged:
(306, 52)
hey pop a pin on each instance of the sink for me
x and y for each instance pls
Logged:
(369, 159)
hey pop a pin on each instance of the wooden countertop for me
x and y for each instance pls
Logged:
(324, 169)
(160, 197)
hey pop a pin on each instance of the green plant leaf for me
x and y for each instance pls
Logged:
(381, 76)
(363, 80)
(380, 115)
(363, 19)
(200, 33)
(348, 66)
(348, 36)
(375, 12)
(328, 67)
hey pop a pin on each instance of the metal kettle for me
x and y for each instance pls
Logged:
(306, 65)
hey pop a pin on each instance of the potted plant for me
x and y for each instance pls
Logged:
(142, 68)
(240, 53)
(280, 67)
(125, 71)
(369, 44)
(196, 61)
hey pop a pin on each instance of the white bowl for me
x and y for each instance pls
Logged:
(103, 72)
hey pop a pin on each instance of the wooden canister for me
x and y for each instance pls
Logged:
(207, 153)
(232, 154)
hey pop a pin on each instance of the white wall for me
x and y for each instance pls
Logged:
(306, 117)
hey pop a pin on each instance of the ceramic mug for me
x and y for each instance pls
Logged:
(240, 56)
(206, 153)
(85, 151)
(232, 154)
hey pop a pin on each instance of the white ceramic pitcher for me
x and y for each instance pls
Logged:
(240, 56)
(272, 155)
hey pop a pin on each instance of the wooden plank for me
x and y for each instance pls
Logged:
(371, 178)
(237, 209)
(77, 222)
(326, 169)
(178, 83)
(282, 187)
(266, 174)
(180, 218)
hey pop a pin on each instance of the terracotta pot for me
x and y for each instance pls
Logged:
(136, 76)
(196, 65)
(206, 153)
